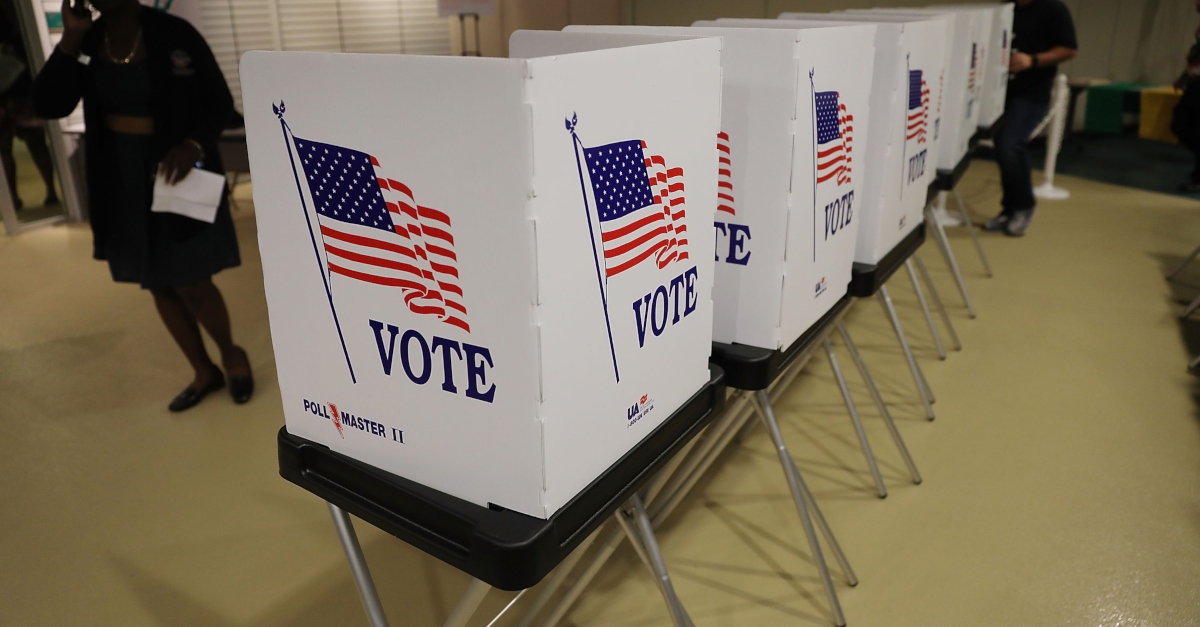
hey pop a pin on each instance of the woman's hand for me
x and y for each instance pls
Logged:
(77, 21)
(179, 161)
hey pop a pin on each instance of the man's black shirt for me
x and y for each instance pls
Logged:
(1038, 27)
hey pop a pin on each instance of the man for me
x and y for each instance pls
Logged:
(1043, 37)
(1186, 123)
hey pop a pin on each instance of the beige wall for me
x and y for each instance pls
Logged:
(1126, 40)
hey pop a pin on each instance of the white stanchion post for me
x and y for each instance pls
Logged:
(1058, 120)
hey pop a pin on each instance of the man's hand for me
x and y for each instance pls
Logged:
(77, 21)
(1019, 62)
(179, 161)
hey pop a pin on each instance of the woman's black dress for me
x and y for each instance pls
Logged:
(179, 85)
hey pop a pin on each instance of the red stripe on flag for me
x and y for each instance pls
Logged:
(633, 244)
(377, 280)
(371, 261)
(630, 228)
(366, 241)
(636, 260)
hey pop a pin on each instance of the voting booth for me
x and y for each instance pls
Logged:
(785, 221)
(491, 277)
(902, 146)
(966, 57)
(995, 81)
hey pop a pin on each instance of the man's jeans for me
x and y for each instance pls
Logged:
(1021, 116)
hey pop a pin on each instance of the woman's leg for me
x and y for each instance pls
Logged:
(35, 140)
(10, 166)
(206, 304)
(182, 325)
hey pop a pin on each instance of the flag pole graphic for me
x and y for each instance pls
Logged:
(813, 84)
(576, 144)
(904, 131)
(299, 190)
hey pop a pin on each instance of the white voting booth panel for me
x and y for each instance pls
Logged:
(995, 86)
(965, 59)
(481, 273)
(902, 146)
(785, 243)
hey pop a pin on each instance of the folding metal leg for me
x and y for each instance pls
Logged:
(939, 234)
(937, 338)
(358, 566)
(858, 428)
(556, 579)
(737, 415)
(636, 525)
(795, 482)
(918, 377)
(612, 540)
(467, 604)
(1184, 264)
(883, 410)
(962, 208)
(937, 301)
(1192, 306)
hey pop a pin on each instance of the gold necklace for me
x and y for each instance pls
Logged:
(137, 40)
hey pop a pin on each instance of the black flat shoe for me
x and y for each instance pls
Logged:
(241, 387)
(190, 397)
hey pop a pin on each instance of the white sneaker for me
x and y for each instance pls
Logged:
(947, 219)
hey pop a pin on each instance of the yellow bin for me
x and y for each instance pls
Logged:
(1158, 105)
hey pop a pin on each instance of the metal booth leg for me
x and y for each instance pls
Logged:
(937, 338)
(1184, 264)
(358, 566)
(715, 437)
(883, 410)
(763, 405)
(918, 377)
(962, 208)
(552, 583)
(937, 301)
(641, 536)
(858, 428)
(611, 541)
(939, 234)
(738, 413)
(1192, 306)
(467, 604)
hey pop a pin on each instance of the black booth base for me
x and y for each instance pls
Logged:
(753, 368)
(503, 548)
(865, 280)
(946, 180)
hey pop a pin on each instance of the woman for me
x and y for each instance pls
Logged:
(154, 101)
(1186, 123)
(16, 112)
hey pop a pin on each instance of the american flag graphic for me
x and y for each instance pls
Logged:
(835, 130)
(640, 205)
(374, 231)
(918, 106)
(724, 175)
